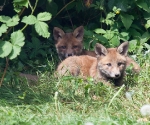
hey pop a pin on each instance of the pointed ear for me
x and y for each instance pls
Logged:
(123, 48)
(78, 33)
(100, 49)
(58, 33)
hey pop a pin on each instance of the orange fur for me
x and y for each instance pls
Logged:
(70, 44)
(110, 64)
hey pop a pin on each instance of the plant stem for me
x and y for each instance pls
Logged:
(4, 73)
(62, 9)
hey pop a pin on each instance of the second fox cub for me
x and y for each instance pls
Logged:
(69, 44)
(110, 64)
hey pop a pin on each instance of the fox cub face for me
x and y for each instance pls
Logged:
(111, 62)
(68, 44)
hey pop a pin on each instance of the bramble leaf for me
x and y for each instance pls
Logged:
(29, 19)
(17, 40)
(15, 52)
(45, 16)
(42, 29)
(4, 19)
(5, 48)
(3, 29)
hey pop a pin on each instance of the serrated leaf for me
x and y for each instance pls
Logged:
(127, 20)
(98, 30)
(10, 24)
(45, 16)
(3, 29)
(42, 29)
(15, 18)
(15, 52)
(5, 19)
(12, 21)
(5, 48)
(29, 19)
(17, 38)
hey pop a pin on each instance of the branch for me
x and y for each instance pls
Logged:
(6, 67)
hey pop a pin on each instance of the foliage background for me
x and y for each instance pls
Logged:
(105, 21)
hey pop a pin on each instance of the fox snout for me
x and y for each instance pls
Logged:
(115, 75)
(69, 54)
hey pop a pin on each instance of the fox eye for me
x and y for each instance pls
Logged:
(108, 64)
(75, 47)
(120, 63)
(63, 47)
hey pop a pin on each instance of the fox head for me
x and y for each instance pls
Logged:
(68, 44)
(111, 61)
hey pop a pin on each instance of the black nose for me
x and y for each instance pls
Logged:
(69, 54)
(117, 75)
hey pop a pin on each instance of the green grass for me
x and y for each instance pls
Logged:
(77, 102)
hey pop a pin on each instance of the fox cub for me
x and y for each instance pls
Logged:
(70, 44)
(110, 64)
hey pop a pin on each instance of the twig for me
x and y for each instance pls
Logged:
(4, 72)
(61, 10)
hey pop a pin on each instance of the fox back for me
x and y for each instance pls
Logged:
(110, 64)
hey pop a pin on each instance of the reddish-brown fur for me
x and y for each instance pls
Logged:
(69, 44)
(110, 64)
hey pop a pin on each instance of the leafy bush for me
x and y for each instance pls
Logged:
(25, 28)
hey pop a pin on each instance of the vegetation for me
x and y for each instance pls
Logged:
(26, 45)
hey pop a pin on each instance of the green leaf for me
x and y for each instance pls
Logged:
(45, 16)
(143, 5)
(4, 19)
(29, 19)
(147, 46)
(15, 52)
(3, 29)
(17, 38)
(147, 25)
(21, 2)
(115, 41)
(98, 30)
(12, 22)
(5, 48)
(109, 34)
(132, 45)
(127, 20)
(42, 29)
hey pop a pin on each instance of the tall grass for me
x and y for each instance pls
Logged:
(77, 103)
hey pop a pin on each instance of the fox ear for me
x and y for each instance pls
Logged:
(123, 48)
(100, 49)
(79, 32)
(58, 33)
